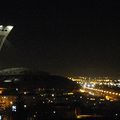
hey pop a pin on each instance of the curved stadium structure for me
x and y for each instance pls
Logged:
(26, 78)
(31, 91)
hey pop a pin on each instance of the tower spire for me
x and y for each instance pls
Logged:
(4, 31)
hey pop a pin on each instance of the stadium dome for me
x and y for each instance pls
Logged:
(27, 78)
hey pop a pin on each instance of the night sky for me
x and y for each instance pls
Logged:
(65, 38)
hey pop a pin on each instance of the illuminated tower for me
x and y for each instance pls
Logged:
(4, 31)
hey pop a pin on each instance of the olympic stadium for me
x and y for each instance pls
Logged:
(26, 89)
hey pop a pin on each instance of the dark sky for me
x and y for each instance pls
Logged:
(66, 38)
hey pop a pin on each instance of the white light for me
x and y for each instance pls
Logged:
(53, 95)
(25, 106)
(66, 98)
(92, 85)
(33, 97)
(54, 112)
(1, 27)
(88, 85)
(14, 108)
(7, 81)
(9, 27)
(16, 89)
(80, 96)
(16, 79)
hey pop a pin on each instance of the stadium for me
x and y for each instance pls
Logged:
(23, 90)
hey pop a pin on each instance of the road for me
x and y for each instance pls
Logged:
(109, 95)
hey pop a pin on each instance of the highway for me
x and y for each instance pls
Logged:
(109, 95)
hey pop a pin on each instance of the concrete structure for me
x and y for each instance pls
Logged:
(4, 31)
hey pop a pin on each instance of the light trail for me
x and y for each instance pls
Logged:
(99, 92)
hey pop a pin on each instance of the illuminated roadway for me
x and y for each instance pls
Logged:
(109, 95)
